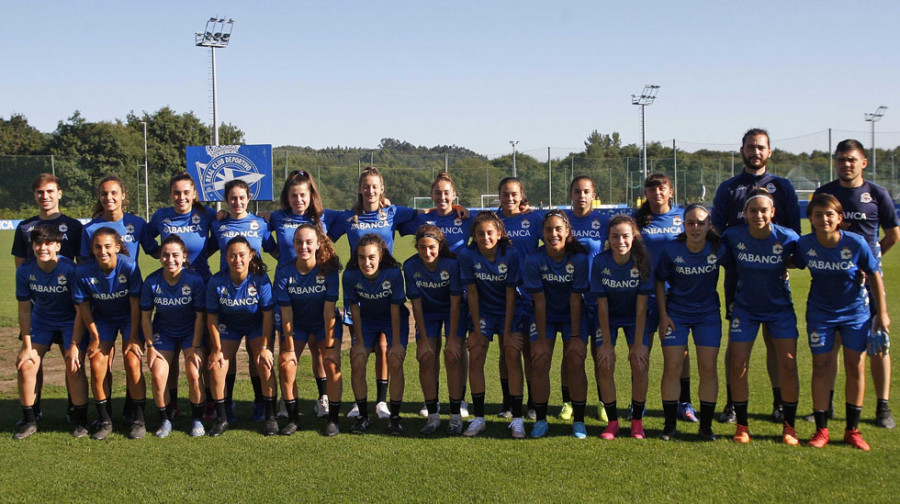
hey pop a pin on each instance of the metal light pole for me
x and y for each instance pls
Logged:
(146, 176)
(216, 36)
(514, 143)
(646, 98)
(874, 118)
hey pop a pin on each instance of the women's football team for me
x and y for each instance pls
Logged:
(472, 278)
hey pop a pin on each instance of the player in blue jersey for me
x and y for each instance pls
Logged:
(435, 292)
(557, 275)
(301, 203)
(689, 267)
(255, 229)
(239, 304)
(372, 213)
(489, 269)
(758, 252)
(524, 229)
(44, 290)
(109, 211)
(177, 295)
(374, 291)
(108, 297)
(727, 211)
(455, 224)
(661, 223)
(867, 207)
(589, 227)
(838, 303)
(621, 279)
(306, 291)
(190, 220)
(47, 194)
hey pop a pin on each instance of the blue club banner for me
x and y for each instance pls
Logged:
(214, 165)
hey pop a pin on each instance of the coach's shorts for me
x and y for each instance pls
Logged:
(745, 325)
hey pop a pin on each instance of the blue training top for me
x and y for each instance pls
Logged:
(374, 297)
(176, 305)
(285, 224)
(109, 293)
(836, 293)
(193, 229)
(524, 230)
(491, 278)
(557, 280)
(663, 228)
(620, 285)
(761, 266)
(239, 307)
(382, 222)
(52, 293)
(306, 295)
(254, 228)
(590, 231)
(692, 279)
(132, 228)
(456, 230)
(434, 288)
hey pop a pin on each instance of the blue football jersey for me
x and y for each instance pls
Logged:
(239, 307)
(456, 230)
(692, 279)
(51, 293)
(285, 224)
(382, 222)
(663, 228)
(591, 231)
(255, 229)
(374, 297)
(193, 229)
(524, 230)
(434, 288)
(176, 305)
(306, 295)
(866, 208)
(557, 280)
(132, 228)
(70, 229)
(491, 278)
(760, 267)
(109, 294)
(620, 285)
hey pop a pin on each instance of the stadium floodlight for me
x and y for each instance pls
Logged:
(873, 118)
(514, 143)
(216, 35)
(648, 95)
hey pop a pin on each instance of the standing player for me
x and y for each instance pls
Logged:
(239, 303)
(837, 302)
(589, 227)
(557, 275)
(661, 223)
(47, 194)
(374, 292)
(109, 211)
(372, 213)
(489, 268)
(306, 291)
(867, 206)
(108, 297)
(177, 295)
(524, 229)
(434, 290)
(44, 289)
(622, 281)
(689, 267)
(758, 252)
(727, 211)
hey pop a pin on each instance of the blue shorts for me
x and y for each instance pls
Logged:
(434, 327)
(707, 331)
(854, 335)
(226, 334)
(564, 328)
(315, 334)
(165, 343)
(629, 335)
(109, 330)
(491, 325)
(745, 326)
(276, 317)
(372, 330)
(652, 322)
(48, 334)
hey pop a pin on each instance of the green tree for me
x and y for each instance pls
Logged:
(17, 137)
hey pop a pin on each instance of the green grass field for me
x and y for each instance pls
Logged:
(245, 466)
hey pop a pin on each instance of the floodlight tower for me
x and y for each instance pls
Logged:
(874, 118)
(216, 36)
(514, 143)
(646, 98)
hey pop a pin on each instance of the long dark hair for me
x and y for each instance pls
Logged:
(326, 257)
(316, 209)
(638, 251)
(387, 260)
(97, 209)
(712, 235)
(572, 246)
(196, 205)
(488, 216)
(257, 266)
(116, 236)
(435, 233)
(644, 215)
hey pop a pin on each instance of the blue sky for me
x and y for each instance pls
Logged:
(470, 73)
